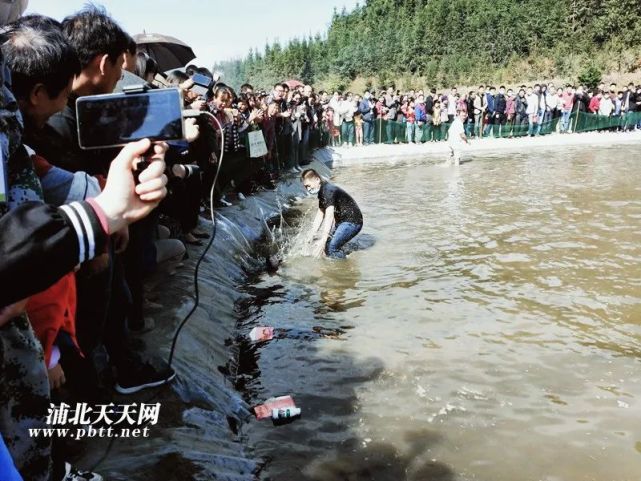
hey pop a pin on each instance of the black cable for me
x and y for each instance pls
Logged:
(196, 293)
(196, 288)
(209, 244)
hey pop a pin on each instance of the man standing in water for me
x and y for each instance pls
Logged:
(456, 137)
(338, 219)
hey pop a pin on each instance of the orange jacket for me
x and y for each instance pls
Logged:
(53, 310)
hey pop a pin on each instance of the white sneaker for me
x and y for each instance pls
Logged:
(241, 196)
(225, 201)
(73, 474)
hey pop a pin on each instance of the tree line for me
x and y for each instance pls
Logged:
(442, 42)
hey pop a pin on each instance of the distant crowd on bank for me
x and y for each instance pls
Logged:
(294, 118)
(390, 116)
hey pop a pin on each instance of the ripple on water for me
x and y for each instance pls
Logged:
(494, 327)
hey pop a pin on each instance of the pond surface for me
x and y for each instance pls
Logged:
(487, 326)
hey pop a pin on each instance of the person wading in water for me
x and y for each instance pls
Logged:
(338, 219)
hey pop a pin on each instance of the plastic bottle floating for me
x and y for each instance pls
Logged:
(261, 333)
(266, 410)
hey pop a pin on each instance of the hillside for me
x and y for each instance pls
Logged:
(413, 43)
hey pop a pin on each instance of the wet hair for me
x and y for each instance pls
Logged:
(39, 56)
(145, 65)
(502, 87)
(176, 77)
(92, 32)
(309, 174)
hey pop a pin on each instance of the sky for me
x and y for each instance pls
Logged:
(215, 29)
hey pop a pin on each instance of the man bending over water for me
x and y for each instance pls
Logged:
(338, 219)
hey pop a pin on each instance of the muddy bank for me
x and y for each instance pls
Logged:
(200, 430)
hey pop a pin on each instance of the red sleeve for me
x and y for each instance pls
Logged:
(51, 310)
(40, 165)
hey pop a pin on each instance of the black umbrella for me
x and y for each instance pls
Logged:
(168, 52)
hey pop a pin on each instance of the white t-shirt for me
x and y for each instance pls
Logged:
(451, 105)
(454, 134)
(606, 106)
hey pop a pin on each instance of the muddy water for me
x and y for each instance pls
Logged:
(487, 326)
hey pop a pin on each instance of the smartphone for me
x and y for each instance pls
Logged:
(114, 120)
(202, 84)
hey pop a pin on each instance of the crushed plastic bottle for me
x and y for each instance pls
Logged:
(266, 410)
(287, 413)
(261, 333)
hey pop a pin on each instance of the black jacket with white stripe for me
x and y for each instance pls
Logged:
(40, 243)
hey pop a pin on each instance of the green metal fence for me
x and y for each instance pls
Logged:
(393, 132)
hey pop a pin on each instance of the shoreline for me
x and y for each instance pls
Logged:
(346, 156)
(199, 432)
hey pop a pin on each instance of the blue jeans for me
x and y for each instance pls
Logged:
(565, 120)
(368, 132)
(409, 132)
(348, 132)
(541, 118)
(531, 124)
(344, 232)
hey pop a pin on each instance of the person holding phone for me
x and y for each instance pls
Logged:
(41, 243)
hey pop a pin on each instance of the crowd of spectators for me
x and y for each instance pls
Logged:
(420, 116)
(80, 234)
(64, 330)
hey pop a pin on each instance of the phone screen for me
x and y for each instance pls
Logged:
(201, 84)
(203, 80)
(116, 119)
